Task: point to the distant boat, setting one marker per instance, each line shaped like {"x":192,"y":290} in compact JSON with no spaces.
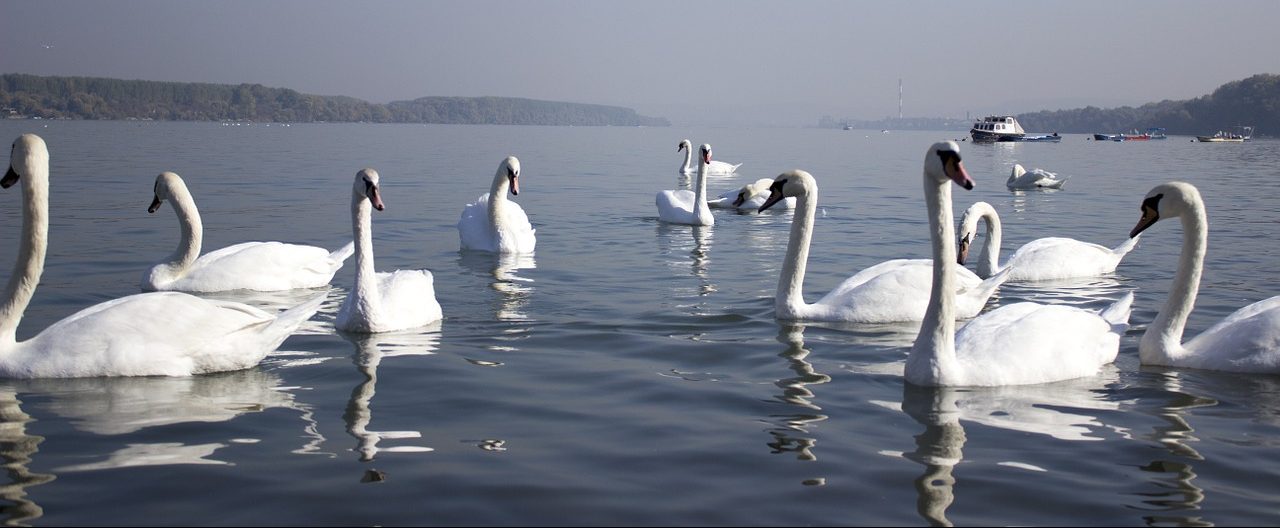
{"x":1134,"y":135}
{"x":1245,"y":134}
{"x":996,"y":128}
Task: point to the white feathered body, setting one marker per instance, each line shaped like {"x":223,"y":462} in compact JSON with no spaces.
{"x":898,"y":291}
{"x":1063,"y":258}
{"x":260,"y":266}
{"x":513,"y":234}
{"x":406,"y":299}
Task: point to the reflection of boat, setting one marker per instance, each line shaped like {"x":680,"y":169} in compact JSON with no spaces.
{"x":994,"y":128}
{"x":1243,"y":134}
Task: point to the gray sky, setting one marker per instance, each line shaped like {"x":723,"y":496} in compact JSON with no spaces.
{"x":693,"y":62}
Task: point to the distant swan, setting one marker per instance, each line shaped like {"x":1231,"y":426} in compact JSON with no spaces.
{"x":1017,"y":344}
{"x":261,"y":266}
{"x":148,"y":334}
{"x":748,"y":197}
{"x":892,"y":291}
{"x":714,"y":168}
{"x":688,"y":207}
{"x":495,"y":224}
{"x":1020,"y":179}
{"x":1245,"y":341}
{"x":380,"y":301}
{"x":1040,"y":259}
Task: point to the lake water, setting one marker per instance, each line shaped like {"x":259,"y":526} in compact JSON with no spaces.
{"x":630,"y":372}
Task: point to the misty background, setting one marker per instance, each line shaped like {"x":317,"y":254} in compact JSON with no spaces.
{"x":726,"y":63}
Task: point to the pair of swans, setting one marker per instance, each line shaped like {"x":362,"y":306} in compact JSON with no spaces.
{"x":260,"y":266}
{"x":1248,"y":340}
{"x":684,"y":206}
{"x":1017,"y":344}
{"x":495,"y":224}
{"x":147,"y":334}
{"x":749,"y":197}
{"x":1021,"y":180}
{"x":714,"y":168}
{"x":382,"y":301}
{"x":1041,"y":259}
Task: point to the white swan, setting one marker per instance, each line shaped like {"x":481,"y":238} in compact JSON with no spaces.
{"x":1040,"y":259}
{"x":685,"y":206}
{"x":261,"y":266}
{"x":148,"y":334}
{"x":1245,"y":341}
{"x":382,"y":302}
{"x":748,"y":197}
{"x":892,"y":291}
{"x":494,"y":223}
{"x":1017,"y":344}
{"x":715,"y":168}
{"x":1020,"y":179}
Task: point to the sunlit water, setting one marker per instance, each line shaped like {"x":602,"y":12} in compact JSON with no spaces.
{"x":630,"y":372}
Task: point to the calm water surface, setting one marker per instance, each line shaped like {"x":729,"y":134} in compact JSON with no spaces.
{"x":630,"y":372}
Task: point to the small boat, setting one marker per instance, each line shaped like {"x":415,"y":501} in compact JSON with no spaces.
{"x":996,"y":128}
{"x":1245,"y":134}
{"x":1046,"y":138}
{"x":1156,"y":133}
{"x":1108,"y":137}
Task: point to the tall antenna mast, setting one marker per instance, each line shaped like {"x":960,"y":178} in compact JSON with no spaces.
{"x":899,"y":98}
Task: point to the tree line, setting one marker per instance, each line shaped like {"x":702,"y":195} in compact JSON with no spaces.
{"x":1254,"y":101}
{"x":24,"y":95}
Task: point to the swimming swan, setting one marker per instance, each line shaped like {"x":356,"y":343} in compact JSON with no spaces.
{"x":147,"y":334}
{"x":748,"y":197}
{"x":1245,"y":341}
{"x":495,"y":224}
{"x":714,"y":168}
{"x":380,"y":301}
{"x":1020,"y":179}
{"x":892,"y":291}
{"x":1041,"y":259}
{"x":261,"y":266}
{"x":1017,"y":344}
{"x":685,"y":206}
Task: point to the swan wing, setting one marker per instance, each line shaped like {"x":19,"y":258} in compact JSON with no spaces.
{"x":1248,"y":340}
{"x":261,"y":266}
{"x":408,"y":299}
{"x":675,"y":206}
{"x":1060,"y":258}
{"x":891,"y":291}
{"x":1028,"y":343}
{"x":156,"y":334}
{"x":515,"y":233}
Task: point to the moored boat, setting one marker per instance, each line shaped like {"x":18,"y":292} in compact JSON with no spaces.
{"x":996,"y":128}
{"x":1245,"y":134}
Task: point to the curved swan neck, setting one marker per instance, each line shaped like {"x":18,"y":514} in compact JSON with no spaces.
{"x":498,"y":199}
{"x":192,"y":228}
{"x":366,"y":285}
{"x":989,"y":260}
{"x":700,"y":208}
{"x":789,"y":299}
{"x":1163,"y":338}
{"x":934,"y":351}
{"x":688,"y":160}
{"x":32,"y":248}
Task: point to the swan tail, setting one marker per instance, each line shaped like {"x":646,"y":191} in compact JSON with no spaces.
{"x":288,"y":321}
{"x":994,"y":281}
{"x":1128,"y":245}
{"x":735,"y":167}
{"x":341,"y":254}
{"x":1118,"y":313}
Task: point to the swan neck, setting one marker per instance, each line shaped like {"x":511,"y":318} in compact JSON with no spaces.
{"x":498,"y":201}
{"x":789,"y":300}
{"x":989,"y":260}
{"x":366,"y":286}
{"x":1163,"y":339}
{"x":700,"y":208}
{"x":31,"y":251}
{"x":192,"y":228}
{"x":688,"y":161}
{"x":932,"y":359}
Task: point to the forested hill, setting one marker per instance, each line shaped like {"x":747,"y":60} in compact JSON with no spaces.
{"x":100,"y":98}
{"x":1254,"y":101}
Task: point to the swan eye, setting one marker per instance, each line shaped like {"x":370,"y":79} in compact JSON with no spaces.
{"x":948,"y":155}
{"x":511,"y":173}
{"x":1152,"y":204}
{"x":778,"y":185}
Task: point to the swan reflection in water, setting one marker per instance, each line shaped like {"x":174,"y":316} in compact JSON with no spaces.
{"x":370,"y":351}
{"x":515,"y":291}
{"x":1024,"y":408}
{"x":789,"y":429}
{"x":1176,"y":435}
{"x":681,"y":246}
{"x":123,"y":406}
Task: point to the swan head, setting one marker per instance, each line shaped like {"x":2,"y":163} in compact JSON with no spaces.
{"x":705,"y":150}
{"x":684,"y":144}
{"x":366,"y":186}
{"x":28,"y":151}
{"x":510,"y":168}
{"x":969,"y":227}
{"x":942,"y":163}
{"x":751,"y":189}
{"x":167,"y":184}
{"x":789,"y":184}
{"x":1164,"y":201}
{"x":1017,"y":172}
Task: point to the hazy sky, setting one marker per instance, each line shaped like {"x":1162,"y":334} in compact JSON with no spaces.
{"x":693,"y":62}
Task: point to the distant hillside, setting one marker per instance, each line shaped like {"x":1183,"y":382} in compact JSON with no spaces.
{"x":100,"y":98}
{"x":1254,"y":101}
